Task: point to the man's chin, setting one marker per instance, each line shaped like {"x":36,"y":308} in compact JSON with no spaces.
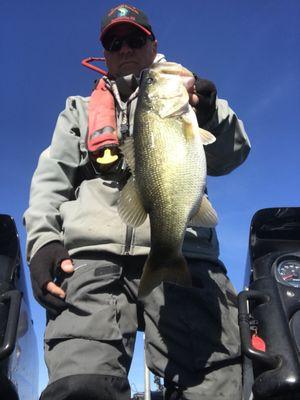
{"x":128,"y":69}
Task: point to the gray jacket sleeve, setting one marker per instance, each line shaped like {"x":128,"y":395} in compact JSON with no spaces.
{"x":232,"y":145}
{"x":53,"y":181}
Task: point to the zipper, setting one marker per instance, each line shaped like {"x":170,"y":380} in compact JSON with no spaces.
{"x":128,"y":240}
{"x":125,"y":132}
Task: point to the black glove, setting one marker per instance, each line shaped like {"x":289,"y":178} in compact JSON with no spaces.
{"x":44,"y":267}
{"x":207,"y":94}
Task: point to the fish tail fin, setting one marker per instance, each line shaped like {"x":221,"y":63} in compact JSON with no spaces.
{"x":174,"y":270}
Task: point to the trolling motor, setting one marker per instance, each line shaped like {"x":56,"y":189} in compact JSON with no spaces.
{"x":269,"y":310}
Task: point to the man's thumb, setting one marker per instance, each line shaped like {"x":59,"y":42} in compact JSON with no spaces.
{"x":67,"y":266}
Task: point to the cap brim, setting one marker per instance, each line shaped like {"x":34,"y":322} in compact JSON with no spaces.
{"x":124,"y":21}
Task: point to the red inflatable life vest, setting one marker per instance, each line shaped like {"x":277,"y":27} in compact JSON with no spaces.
{"x":102,"y":138}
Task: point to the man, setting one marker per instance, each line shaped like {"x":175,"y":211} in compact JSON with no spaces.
{"x":86,"y":264}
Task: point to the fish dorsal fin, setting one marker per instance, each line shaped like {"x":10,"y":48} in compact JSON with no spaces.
{"x":130,"y":206}
{"x":207,"y":137}
{"x":127,"y":149}
{"x":205,"y":216}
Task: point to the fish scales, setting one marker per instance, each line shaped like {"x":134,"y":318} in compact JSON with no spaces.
{"x":169,"y":171}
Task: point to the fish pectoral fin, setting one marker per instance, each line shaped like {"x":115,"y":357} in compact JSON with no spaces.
{"x":207,"y":137}
{"x":206,"y":216}
{"x":189,"y":126}
{"x":127,"y":149}
{"x":157,"y":270}
{"x":192,"y":129}
{"x":130,"y":206}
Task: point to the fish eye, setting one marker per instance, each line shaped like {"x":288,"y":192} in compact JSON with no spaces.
{"x":149,"y":80}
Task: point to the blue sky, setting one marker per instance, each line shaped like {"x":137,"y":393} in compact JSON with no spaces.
{"x":250,"y":49}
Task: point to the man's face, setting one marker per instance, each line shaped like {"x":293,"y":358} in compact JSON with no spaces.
{"x":128,"y":60}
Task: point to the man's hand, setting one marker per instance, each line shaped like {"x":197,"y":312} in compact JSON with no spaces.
{"x":203,"y":99}
{"x":193,"y":97}
{"x":47,"y":265}
{"x":66,"y":266}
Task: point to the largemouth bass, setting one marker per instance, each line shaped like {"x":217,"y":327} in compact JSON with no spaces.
{"x":168,"y":165}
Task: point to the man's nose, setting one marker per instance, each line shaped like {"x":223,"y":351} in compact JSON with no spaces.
{"x":125,"y":49}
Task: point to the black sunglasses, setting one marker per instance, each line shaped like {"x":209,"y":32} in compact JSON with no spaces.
{"x":133,"y":40}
